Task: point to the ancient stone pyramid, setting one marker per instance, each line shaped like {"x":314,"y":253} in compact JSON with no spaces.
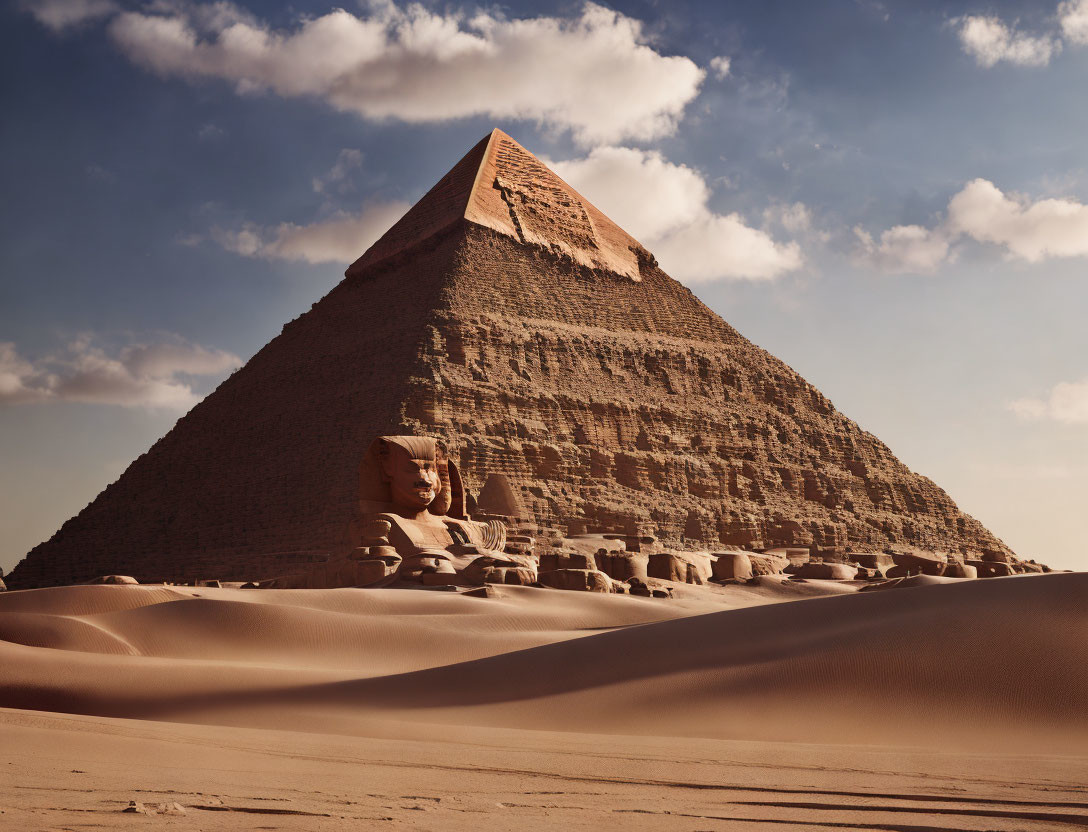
{"x":507,"y":314}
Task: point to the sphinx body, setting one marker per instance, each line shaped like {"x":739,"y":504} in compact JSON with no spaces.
{"x":412,"y":518}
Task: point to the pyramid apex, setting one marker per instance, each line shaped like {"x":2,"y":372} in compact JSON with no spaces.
{"x":500,"y":185}
{"x":498,"y":132}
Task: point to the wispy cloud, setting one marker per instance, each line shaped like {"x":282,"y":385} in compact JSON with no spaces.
{"x":989,"y":41}
{"x":338,"y":178}
{"x":151,"y":375}
{"x":904,"y":248}
{"x":665,"y":206}
{"x":210,"y":132}
{"x":1027,"y":230}
{"x":720,"y":66}
{"x":1065,"y":402}
{"x":339,"y":238}
{"x":796,"y":217}
{"x":63,"y":14}
{"x":595,"y":74}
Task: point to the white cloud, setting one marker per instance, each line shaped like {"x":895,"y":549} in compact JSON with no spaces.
{"x":594,"y":74}
{"x":168,"y":358}
{"x":720,"y":66}
{"x":1067,"y":402}
{"x":644,"y":193}
{"x":664,"y":206}
{"x":1026,"y":230}
{"x":61,"y":14}
{"x":904,"y":248}
{"x":1073,"y":17}
{"x":139,"y":375}
{"x":796,"y":218}
{"x":988,"y":40}
{"x":720,"y":247}
{"x":338,"y":239}
{"x":1029,"y":230}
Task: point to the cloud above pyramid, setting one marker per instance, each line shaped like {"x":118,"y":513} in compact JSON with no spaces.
{"x":595,"y":74}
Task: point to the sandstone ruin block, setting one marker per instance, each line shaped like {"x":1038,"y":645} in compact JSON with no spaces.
{"x":918,"y":564}
{"x":687,"y":568}
{"x":872,"y":560}
{"x":991,"y":569}
{"x":551,"y":561}
{"x":826,"y":571}
{"x":732,"y":566}
{"x":621,"y":566}
{"x":959,"y":570}
{"x":768,"y":564}
{"x":579,"y":580}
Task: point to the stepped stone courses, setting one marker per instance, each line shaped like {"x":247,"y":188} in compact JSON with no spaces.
{"x":507,"y":315}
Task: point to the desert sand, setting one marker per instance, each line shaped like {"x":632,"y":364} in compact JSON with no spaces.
{"x":943,"y":705}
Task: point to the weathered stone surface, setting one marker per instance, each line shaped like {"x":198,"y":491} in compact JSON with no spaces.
{"x":865,"y":573}
{"x":768,"y":564}
{"x":621,"y":566}
{"x":482,"y":576}
{"x":489,"y":571}
{"x":732,"y":566}
{"x":498,"y":497}
{"x":686,"y":568}
{"x":824,"y":571}
{"x":872,"y":560}
{"x":508,"y":316}
{"x":959,"y":570}
{"x":584,"y":580}
{"x":991,"y":569}
{"x":794,"y":554}
{"x":915,"y":564}
{"x":648,"y":588}
{"x":551,"y":561}
{"x":592,"y":545}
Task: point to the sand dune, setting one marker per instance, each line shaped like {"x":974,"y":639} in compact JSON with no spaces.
{"x":994,"y":663}
{"x":80,"y":772}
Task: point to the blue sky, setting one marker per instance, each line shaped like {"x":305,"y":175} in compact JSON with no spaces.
{"x":888,"y":196}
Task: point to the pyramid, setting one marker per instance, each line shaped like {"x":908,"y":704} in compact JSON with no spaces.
{"x":508,"y":315}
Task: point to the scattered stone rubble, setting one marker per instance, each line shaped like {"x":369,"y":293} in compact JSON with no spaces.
{"x":563,"y":564}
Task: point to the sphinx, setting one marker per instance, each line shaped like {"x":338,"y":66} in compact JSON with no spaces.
{"x":412,"y":518}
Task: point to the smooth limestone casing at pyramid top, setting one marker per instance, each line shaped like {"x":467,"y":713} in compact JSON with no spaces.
{"x":506,"y":314}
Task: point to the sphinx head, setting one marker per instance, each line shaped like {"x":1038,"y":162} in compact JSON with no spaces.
{"x":410,"y":474}
{"x":414,"y":481}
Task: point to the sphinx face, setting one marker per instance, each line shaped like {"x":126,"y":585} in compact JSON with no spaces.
{"x":413,"y":483}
